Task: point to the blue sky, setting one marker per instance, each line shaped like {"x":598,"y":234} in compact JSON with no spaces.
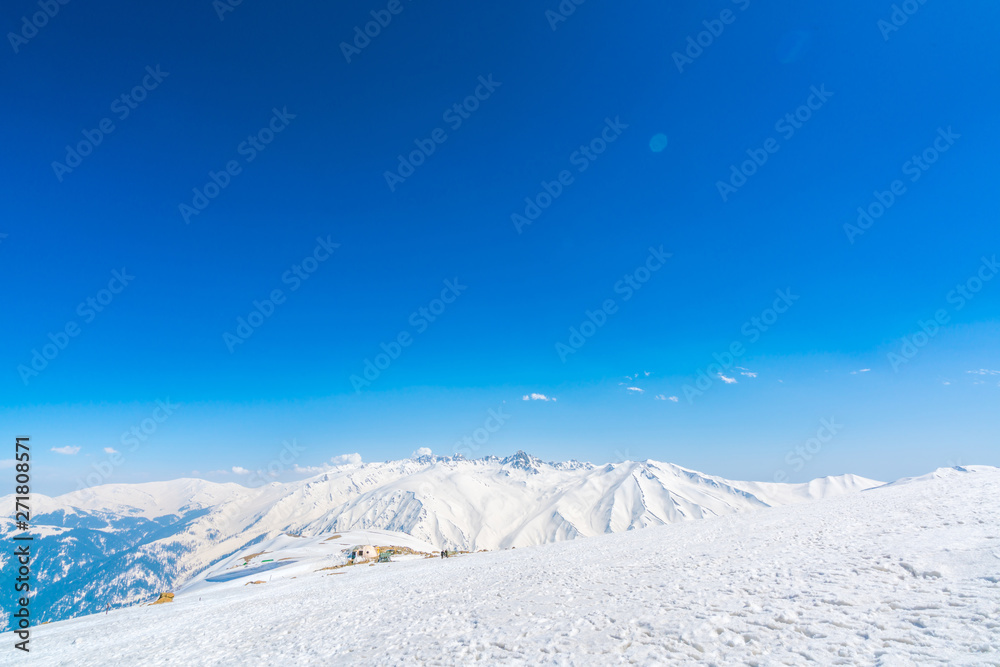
{"x":623,"y":132}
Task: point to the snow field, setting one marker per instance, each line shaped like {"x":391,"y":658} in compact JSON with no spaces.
{"x":897,"y":575}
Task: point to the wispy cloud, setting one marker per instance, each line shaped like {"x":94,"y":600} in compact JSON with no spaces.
{"x":346,"y":459}
{"x":340,"y":460}
{"x":862,"y":370}
{"x":110,"y":450}
{"x":662,"y":397}
{"x":537,"y":397}
{"x":727,"y":380}
{"x":635,"y":389}
{"x":240,"y":470}
{"x":984,"y":371}
{"x":68,"y":450}
{"x":7,"y":463}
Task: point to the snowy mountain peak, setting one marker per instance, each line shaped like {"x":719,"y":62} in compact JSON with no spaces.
{"x":122,"y":542}
{"x":944,"y":473}
{"x":864,"y":580}
{"x":522,"y":461}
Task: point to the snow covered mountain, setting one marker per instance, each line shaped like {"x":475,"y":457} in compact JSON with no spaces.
{"x":904,"y":574}
{"x":121,"y":543}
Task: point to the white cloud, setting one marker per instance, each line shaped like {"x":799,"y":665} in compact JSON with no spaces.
{"x":110,"y":450}
{"x":635,"y":389}
{"x":749,"y":374}
{"x":647,"y":373}
{"x":536,"y":397}
{"x":863,"y":370}
{"x":239,"y":470}
{"x":343,"y":459}
{"x":7,"y":463}
{"x":662,"y":397}
{"x":423,"y":451}
{"x":945,"y":382}
{"x":984,"y":371}
{"x":346,"y":459}
{"x":673,"y":398}
{"x":68,"y":450}
{"x":727,"y":380}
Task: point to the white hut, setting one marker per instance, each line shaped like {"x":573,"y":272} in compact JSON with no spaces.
{"x":363,"y":553}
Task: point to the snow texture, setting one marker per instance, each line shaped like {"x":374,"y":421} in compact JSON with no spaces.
{"x":124,"y":543}
{"x":898,"y":575}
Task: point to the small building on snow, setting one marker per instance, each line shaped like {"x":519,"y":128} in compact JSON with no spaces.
{"x":364,"y":552}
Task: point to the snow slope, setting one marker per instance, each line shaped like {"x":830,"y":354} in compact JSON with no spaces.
{"x":299,"y":556}
{"x":122,"y":543}
{"x":898,"y":575}
{"x":940,"y":473}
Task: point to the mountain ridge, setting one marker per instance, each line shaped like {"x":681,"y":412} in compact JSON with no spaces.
{"x":120,"y":543}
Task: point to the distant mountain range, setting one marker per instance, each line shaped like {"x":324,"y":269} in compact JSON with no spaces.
{"x":121,"y":543}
